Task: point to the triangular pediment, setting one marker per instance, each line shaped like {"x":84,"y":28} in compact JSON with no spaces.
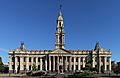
{"x":60,"y":51}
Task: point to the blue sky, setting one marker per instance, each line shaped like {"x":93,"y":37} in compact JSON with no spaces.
{"x":34,"y":22}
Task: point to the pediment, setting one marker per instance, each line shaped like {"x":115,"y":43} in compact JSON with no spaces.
{"x":60,"y":51}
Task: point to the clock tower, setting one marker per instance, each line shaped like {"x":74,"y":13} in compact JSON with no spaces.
{"x":60,"y":31}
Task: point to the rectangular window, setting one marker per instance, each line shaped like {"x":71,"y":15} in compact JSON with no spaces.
{"x":107,"y":59}
{"x":107,"y":67}
{"x":38,"y":67}
{"x":30,"y":59}
{"x":76,"y":67}
{"x":34,"y":60}
{"x":24,"y":59}
{"x":29,"y":67}
{"x":12,"y":66}
{"x":76,"y":59}
{"x":13,"y":59}
{"x":72,"y":59}
{"x":38,"y":59}
{"x":81,"y":59}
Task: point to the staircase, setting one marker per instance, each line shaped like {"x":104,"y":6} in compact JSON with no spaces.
{"x":60,"y":76}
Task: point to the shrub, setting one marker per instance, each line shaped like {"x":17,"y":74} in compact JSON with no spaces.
{"x":29,"y":73}
{"x":38,"y":73}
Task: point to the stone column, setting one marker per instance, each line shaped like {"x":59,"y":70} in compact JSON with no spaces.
{"x":41,"y":63}
{"x":53,"y":63}
{"x":83,"y":62}
{"x":74,"y":63}
{"x":49,"y":63}
{"x":99,"y":64}
{"x":109,"y":63}
{"x":31,"y":62}
{"x":58,"y":64}
{"x":16,"y":66}
{"x":62,"y":64}
{"x":27,"y":63}
{"x":79,"y":65}
{"x":93,"y":63}
{"x":70,"y":63}
{"x":66,"y":64}
{"x":46,"y":63}
{"x":37,"y":62}
{"x":10,"y":64}
{"x":105,"y":60}
{"x":21,"y":64}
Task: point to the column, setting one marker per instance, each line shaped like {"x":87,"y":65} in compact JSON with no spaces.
{"x":93,"y":63}
{"x":66,"y":63}
{"x":70,"y":63}
{"x":27,"y":63}
{"x":58,"y":63}
{"x":31,"y":62}
{"x":21,"y":64}
{"x":53,"y":63}
{"x":37,"y":62}
{"x":105,"y":60}
{"x":16,"y":66}
{"x":46,"y":63}
{"x":79,"y":65}
{"x":62,"y":64}
{"x":74,"y":63}
{"x":109,"y":63}
{"x":99,"y":64}
{"x":10,"y":64}
{"x":83,"y":62}
{"x":41,"y":63}
{"x":49,"y":63}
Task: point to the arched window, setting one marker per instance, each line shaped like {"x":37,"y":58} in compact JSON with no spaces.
{"x":59,"y":23}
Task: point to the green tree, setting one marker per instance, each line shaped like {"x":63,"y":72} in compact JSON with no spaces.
{"x":34,"y":67}
{"x":1,"y":67}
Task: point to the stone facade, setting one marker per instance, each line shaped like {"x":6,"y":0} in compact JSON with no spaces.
{"x":59,"y":60}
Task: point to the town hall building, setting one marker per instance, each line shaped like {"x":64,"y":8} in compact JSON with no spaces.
{"x":59,"y":59}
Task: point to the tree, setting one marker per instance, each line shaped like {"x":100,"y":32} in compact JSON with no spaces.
{"x":1,"y":67}
{"x":34,"y":67}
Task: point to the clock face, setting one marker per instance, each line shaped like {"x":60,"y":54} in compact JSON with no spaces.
{"x":59,"y":30}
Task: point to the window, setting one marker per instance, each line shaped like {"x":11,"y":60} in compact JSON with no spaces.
{"x":24,"y":59}
{"x":76,"y":67}
{"x":38,"y":67}
{"x":13,"y":59}
{"x":96,"y":59}
{"x":29,"y":67}
{"x":107,"y":59}
{"x":72,"y":59}
{"x":76,"y":59}
{"x":81,"y":59}
{"x":34,"y":60}
{"x":30,"y":59}
{"x":107,"y":67}
{"x":13,"y":67}
{"x":59,"y":23}
{"x":38,"y":59}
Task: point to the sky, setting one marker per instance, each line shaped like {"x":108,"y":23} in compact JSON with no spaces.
{"x":34,"y":23}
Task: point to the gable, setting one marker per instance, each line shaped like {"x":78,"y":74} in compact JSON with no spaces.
{"x":60,"y":51}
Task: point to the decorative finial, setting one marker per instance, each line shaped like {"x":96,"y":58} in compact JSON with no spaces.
{"x":60,"y":13}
